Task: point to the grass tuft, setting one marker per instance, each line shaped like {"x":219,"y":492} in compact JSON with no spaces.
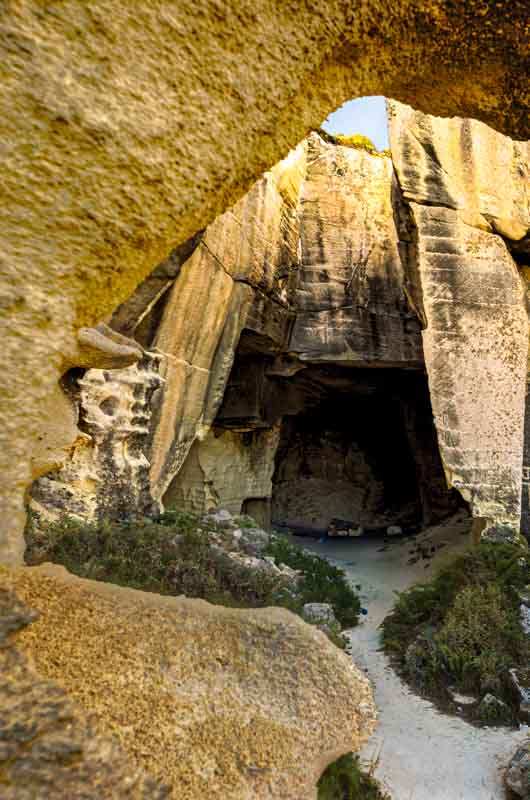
{"x":345,"y":780}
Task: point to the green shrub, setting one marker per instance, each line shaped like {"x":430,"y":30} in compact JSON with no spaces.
{"x":345,"y":780}
{"x":321,"y":582}
{"x":168,"y":556}
{"x":462,"y":629}
{"x":357,"y":140}
{"x":480,"y":639}
{"x":173,"y":555}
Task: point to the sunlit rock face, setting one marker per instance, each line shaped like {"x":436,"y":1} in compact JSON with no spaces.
{"x":188,"y":316}
{"x":351,"y":305}
{"x":345,"y":304}
{"x":467,"y":191}
{"x":382,"y":255}
{"x":346,"y":261}
{"x":240,"y":275}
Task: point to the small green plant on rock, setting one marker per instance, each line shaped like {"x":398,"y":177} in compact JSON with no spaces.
{"x":357,"y":140}
{"x":344,"y":779}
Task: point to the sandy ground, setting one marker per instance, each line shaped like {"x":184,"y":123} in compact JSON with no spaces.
{"x":421,"y":753}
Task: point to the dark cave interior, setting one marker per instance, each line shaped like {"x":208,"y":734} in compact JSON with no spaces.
{"x":365,"y":457}
{"x":357,"y":448}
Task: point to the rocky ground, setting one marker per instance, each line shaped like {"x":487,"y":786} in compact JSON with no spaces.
{"x":419,"y":752}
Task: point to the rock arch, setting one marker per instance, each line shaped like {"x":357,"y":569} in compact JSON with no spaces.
{"x":125,"y":130}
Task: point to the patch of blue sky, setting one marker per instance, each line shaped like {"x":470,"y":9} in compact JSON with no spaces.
{"x":366,"y":115}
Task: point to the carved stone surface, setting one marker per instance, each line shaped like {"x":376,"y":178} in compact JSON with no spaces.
{"x":350,"y":300}
{"x":476,"y":345}
{"x":225,"y":470}
{"x":140,"y":315}
{"x":464,"y":165}
{"x":468,"y":191}
{"x":525,"y":495}
{"x":242,"y":274}
{"x":335,"y":258}
{"x":150,"y":120}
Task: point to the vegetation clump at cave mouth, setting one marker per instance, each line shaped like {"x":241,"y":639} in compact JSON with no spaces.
{"x":344,"y":779}
{"x":461,"y":633}
{"x":182,"y":553}
{"x":356,"y":140}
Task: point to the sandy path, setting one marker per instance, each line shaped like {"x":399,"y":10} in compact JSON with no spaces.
{"x":423,"y":754}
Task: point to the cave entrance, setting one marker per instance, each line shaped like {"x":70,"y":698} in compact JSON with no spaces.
{"x":360,"y":456}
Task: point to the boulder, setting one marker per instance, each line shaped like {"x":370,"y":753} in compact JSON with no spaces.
{"x":253,"y":540}
{"x":339,"y":528}
{"x":319,"y":613}
{"x":220,"y":517}
{"x":499,"y":534}
{"x":521,"y":684}
{"x":49,"y":748}
{"x":517,"y":775}
{"x":214,"y":702}
{"x":460,"y":699}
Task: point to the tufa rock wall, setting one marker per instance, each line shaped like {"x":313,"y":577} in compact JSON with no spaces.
{"x":468,"y":194}
{"x":127,"y":129}
{"x":336,"y":258}
{"x":241,"y":269}
{"x":351,"y":306}
{"x":107,"y":473}
{"x":226,"y":469}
